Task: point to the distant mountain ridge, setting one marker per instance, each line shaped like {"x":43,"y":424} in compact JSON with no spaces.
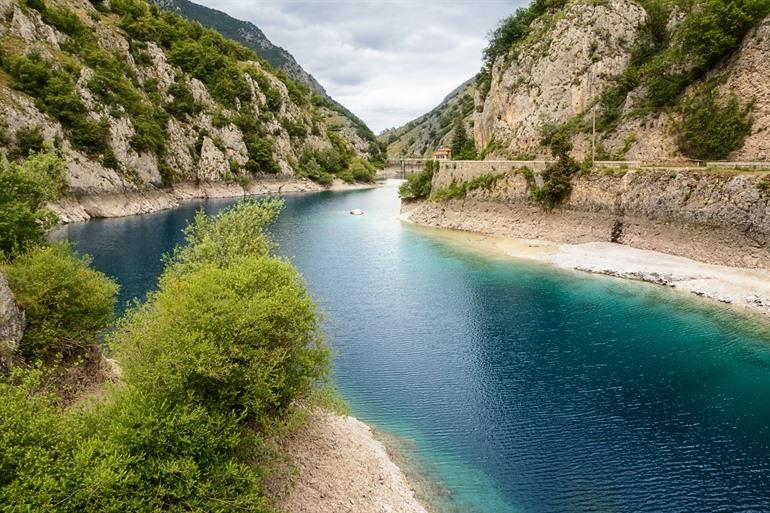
{"x":248,"y":35}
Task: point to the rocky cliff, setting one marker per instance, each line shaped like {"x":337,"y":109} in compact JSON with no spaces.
{"x":11,"y":323}
{"x":663,"y":80}
{"x":135,"y":99}
{"x":710,"y":216}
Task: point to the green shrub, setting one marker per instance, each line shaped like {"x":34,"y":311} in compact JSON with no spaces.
{"x":361,"y":170}
{"x":184,"y":103}
{"x":295,"y":129}
{"x":557,"y":176}
{"x":129,"y":452}
{"x":242,"y":338}
{"x":418,"y":185}
{"x":260,"y":156}
{"x":236,"y":232}
{"x":711,"y":129}
{"x":212,"y":361}
{"x":66,"y":303}
{"x":230,"y":328}
{"x":27,"y":139}
{"x":24,"y":191}
{"x":455,"y":190}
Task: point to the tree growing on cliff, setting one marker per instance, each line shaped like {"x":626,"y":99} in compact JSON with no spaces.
{"x":557,"y":176}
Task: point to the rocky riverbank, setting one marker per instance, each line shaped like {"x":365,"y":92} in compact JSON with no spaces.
{"x":82,"y":208}
{"x":340,"y":467}
{"x":495,"y":231}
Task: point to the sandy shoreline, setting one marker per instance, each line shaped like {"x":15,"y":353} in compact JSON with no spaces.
{"x":82,"y":208}
{"x":340,"y":467}
{"x":747,"y":289}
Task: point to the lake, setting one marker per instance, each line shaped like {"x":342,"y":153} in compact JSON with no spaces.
{"x":515,"y":386}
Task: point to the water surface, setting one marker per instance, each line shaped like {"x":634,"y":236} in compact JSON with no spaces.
{"x":519,"y":387}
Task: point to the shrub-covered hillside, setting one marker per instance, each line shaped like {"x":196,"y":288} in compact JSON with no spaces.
{"x":133,"y":96}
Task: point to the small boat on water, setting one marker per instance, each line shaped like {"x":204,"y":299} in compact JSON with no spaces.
{"x":356,"y":212}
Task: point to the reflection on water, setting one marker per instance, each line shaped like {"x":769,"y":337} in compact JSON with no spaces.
{"x":519,"y":387}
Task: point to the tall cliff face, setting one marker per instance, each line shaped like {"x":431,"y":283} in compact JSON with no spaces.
{"x":559,"y":70}
{"x":651,"y":72}
{"x":664,"y":80}
{"x":134,"y":98}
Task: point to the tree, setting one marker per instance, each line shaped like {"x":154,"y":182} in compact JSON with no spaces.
{"x":459,"y":139}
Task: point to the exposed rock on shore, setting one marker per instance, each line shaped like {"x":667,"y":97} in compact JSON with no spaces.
{"x":83,"y":208}
{"x":341,"y":468}
{"x":11,"y":322}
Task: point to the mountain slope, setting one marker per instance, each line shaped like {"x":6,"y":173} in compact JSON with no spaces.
{"x":665,"y":80}
{"x":134,"y":97}
{"x":250,"y":36}
{"x":246,"y":33}
{"x":420,"y":137}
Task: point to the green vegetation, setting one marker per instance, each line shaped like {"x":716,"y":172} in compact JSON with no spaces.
{"x":463,"y":147}
{"x":557,"y":177}
{"x":212,"y":363}
{"x":339,"y":160}
{"x":24,"y":190}
{"x":230,"y":72}
{"x":27,"y":140}
{"x":511,"y":31}
{"x":65,"y":302}
{"x":711,"y":129}
{"x":418,"y":185}
{"x":456,"y":191}
{"x":54,"y":88}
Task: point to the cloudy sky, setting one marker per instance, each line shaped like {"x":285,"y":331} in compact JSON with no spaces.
{"x":388,"y":61}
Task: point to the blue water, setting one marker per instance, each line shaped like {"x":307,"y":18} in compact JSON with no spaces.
{"x":518,"y":387}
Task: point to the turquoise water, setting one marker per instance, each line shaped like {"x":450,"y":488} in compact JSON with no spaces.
{"x":518,"y":387}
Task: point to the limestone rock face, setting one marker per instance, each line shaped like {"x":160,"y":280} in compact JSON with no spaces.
{"x":11,"y":322}
{"x":145,"y":137}
{"x":213,"y":165}
{"x":749,"y":78}
{"x":559,"y":71}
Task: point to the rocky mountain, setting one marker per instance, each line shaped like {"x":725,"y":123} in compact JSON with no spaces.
{"x":663,"y":79}
{"x":420,"y":137}
{"x":134,"y":97}
{"x":246,"y":33}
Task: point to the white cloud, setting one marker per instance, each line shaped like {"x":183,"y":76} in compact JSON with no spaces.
{"x":388,"y":61}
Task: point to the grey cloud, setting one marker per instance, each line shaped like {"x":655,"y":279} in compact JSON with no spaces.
{"x":388,"y":61}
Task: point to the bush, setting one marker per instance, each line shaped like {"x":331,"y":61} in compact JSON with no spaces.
{"x":455,"y":190}
{"x":361,"y":170}
{"x":184,"y":103}
{"x":130,"y":452}
{"x":28,"y":139}
{"x":211,"y":362}
{"x":231,"y":328}
{"x":557,"y":177}
{"x":418,"y":185}
{"x":711,"y":129}
{"x":66,"y":303}
{"x":24,"y":191}
{"x":222,"y":240}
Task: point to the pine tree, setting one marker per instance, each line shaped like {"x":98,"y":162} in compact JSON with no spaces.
{"x":459,"y":139}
